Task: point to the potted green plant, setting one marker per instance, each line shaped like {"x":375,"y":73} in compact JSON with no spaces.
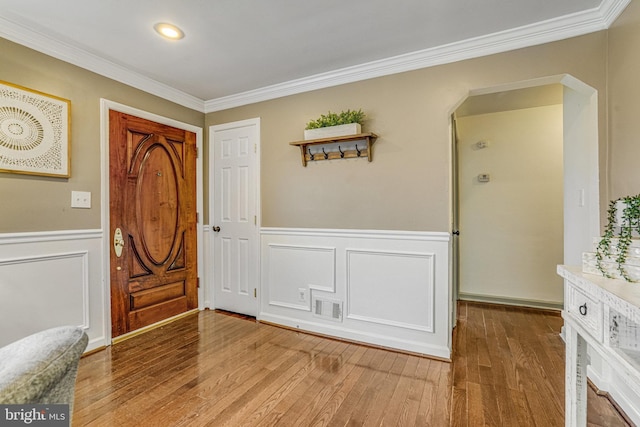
{"x":623,"y":222}
{"x":347,"y":122}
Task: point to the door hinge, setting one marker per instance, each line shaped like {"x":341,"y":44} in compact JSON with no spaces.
{"x":197,"y":217}
{"x":197,"y":282}
{"x":255,"y":293}
{"x":197,"y":153}
{"x":255,"y":220}
{"x":255,"y":148}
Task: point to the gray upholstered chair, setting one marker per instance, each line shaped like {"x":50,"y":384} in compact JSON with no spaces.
{"x":42,"y":367}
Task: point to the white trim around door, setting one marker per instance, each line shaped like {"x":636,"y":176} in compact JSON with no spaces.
{"x":105,"y":106}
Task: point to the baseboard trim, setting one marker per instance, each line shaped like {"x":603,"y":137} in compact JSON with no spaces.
{"x":350,"y":341}
{"x":357,"y":336}
{"x":156,"y":325}
{"x":93,"y":350}
{"x":520,"y":302}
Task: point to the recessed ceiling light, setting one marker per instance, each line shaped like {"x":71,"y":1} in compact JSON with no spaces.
{"x":168,"y":31}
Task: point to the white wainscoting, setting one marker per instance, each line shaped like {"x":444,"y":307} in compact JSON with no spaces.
{"x":392,"y":287}
{"x":50,"y":279}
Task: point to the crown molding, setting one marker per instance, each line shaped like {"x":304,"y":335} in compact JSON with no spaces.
{"x":572,"y":25}
{"x":68,"y":53}
{"x":560,"y":28}
{"x":611,"y":9}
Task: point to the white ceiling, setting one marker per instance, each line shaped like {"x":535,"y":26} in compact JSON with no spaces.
{"x":241,"y":51}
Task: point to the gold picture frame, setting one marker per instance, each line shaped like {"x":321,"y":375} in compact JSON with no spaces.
{"x":35,"y":132}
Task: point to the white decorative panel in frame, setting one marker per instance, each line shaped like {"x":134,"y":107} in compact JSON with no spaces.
{"x":225,"y":264}
{"x":50,"y":279}
{"x":46,"y":282}
{"x":225,"y":185}
{"x":225,"y":149}
{"x":243,"y":146}
{"x":294,"y":267}
{"x":243,"y":266}
{"x":391,"y":288}
{"x":387,"y":288}
{"x":34,"y":132}
{"x":243,"y":194}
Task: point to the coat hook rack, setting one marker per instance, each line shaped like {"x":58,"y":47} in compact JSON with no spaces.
{"x":353,"y":149}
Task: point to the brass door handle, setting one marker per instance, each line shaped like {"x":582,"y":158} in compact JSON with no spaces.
{"x":118,"y":242}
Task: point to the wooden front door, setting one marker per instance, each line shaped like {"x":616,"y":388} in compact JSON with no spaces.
{"x":153,"y":222}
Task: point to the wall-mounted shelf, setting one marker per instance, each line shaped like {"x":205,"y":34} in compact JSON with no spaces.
{"x":354,"y":151}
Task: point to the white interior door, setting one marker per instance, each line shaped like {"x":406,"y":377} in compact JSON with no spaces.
{"x":234,"y":212}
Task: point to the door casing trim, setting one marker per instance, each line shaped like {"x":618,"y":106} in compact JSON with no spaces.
{"x":105,"y":106}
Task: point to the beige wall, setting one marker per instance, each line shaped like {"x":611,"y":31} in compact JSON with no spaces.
{"x":624,"y":104}
{"x":32,"y":203}
{"x":407,"y":184}
{"x":406,"y":187}
{"x":511,"y":227}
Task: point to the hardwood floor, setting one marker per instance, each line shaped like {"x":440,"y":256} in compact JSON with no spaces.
{"x":212,"y":369}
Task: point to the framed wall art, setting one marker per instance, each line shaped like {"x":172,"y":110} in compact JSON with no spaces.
{"x":35,"y":131}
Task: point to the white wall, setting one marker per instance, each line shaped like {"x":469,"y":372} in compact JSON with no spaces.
{"x":52,"y":279}
{"x":511,"y":228}
{"x":581,"y":183}
{"x":393,"y":287}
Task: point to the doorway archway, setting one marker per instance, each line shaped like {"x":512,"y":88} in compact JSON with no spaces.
{"x":581,"y":206}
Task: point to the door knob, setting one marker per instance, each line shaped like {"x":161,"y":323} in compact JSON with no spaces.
{"x":216,"y":228}
{"x":456,"y":232}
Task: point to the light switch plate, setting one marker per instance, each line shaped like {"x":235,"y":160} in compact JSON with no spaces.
{"x":81,"y":199}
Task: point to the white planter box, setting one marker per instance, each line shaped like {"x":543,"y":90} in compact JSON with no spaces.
{"x":590,"y":266}
{"x":331,"y":131}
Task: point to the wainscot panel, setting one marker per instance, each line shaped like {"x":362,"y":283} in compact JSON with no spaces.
{"x":51,"y":279}
{"x":387,"y":288}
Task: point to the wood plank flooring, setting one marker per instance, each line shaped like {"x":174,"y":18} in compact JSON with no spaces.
{"x":213,"y":369}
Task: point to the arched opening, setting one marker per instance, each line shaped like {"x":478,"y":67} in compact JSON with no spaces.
{"x":516,"y":114}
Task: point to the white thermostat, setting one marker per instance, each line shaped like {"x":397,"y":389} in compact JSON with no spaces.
{"x":484,"y":177}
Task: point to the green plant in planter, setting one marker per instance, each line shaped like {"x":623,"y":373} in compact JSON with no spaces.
{"x":335,"y":119}
{"x":630,"y":223}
